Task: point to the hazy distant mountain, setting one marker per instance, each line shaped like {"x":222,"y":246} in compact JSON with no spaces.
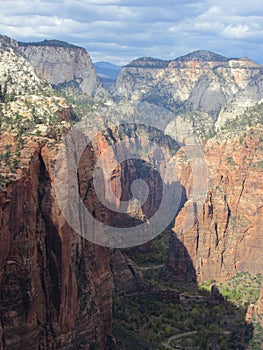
{"x":201,"y":81}
{"x":107,"y":72}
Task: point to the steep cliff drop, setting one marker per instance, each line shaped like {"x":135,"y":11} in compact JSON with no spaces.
{"x":62,"y":64}
{"x":56,"y":288}
{"x":227,"y":238}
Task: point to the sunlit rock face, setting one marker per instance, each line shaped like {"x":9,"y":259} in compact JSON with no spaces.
{"x":201,"y":81}
{"x":61,"y":63}
{"x":227,"y":236}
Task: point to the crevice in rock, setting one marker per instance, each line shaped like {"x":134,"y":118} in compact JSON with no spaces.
{"x":52,"y":239}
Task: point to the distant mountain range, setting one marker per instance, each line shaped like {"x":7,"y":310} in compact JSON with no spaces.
{"x":107,"y":72}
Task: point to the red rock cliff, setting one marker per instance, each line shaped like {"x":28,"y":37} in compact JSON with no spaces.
{"x":56,"y":288}
{"x":228,"y":237}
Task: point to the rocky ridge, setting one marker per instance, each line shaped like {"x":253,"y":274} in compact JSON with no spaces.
{"x":201,"y":81}
{"x":62,"y":64}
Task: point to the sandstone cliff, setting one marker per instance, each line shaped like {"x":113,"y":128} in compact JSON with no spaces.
{"x":227,"y":237}
{"x":201,"y":81}
{"x":56,"y":288}
{"x":60,"y":63}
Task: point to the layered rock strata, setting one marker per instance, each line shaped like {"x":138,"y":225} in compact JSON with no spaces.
{"x":62,"y":64}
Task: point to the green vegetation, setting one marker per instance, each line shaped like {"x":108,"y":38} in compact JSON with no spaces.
{"x":145,"y":321}
{"x":251,"y":118}
{"x":156,"y":255}
{"x":82,"y":105}
{"x":6,"y":97}
{"x":151,"y":319}
{"x":148,"y":62}
{"x":258,"y":164}
{"x":203,"y":56}
{"x":55,"y":43}
{"x":243,"y":289}
{"x":230,"y":160}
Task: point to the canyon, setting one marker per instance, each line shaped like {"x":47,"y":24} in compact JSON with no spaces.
{"x":57,"y":289}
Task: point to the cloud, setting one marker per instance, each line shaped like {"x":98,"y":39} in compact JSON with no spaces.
{"x":236,"y":32}
{"x":126,"y":29}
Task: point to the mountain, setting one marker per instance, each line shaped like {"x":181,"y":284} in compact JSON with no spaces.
{"x":194,"y":139}
{"x":200,"y":81}
{"x":148,"y":62}
{"x":52,"y":43}
{"x":61,"y":64}
{"x":107,"y":72}
{"x":203,"y":56}
{"x":52,"y":296}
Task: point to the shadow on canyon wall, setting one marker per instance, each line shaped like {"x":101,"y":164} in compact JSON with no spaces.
{"x":161,"y":306}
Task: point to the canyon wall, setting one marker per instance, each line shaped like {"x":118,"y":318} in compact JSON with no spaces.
{"x":227,"y":237}
{"x":56,"y":288}
{"x":201,"y":81}
{"x":62,"y":64}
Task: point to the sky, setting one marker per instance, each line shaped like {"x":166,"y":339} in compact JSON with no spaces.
{"x":119,"y":31}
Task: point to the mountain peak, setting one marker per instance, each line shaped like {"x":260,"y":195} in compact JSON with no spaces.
{"x":203,"y":56}
{"x":148,"y":62}
{"x":5,"y":42}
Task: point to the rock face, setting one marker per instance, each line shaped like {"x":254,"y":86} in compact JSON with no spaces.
{"x":256,"y":311}
{"x":16,"y":74}
{"x":60,"y":63}
{"x":128,"y":278}
{"x":252,"y":94}
{"x":227,"y":237}
{"x":55,"y":287}
{"x":179,"y":266}
{"x":201,"y":81}
{"x":216,"y":296}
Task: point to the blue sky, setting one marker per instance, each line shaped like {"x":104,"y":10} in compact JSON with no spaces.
{"x":122,"y":30}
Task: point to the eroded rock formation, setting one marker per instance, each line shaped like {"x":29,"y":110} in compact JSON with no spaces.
{"x":227,"y":237}
{"x":60,"y":63}
{"x":201,"y":81}
{"x":55,"y":287}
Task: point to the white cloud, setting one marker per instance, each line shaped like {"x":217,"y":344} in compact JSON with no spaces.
{"x":125,"y":29}
{"x":236,"y":32}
